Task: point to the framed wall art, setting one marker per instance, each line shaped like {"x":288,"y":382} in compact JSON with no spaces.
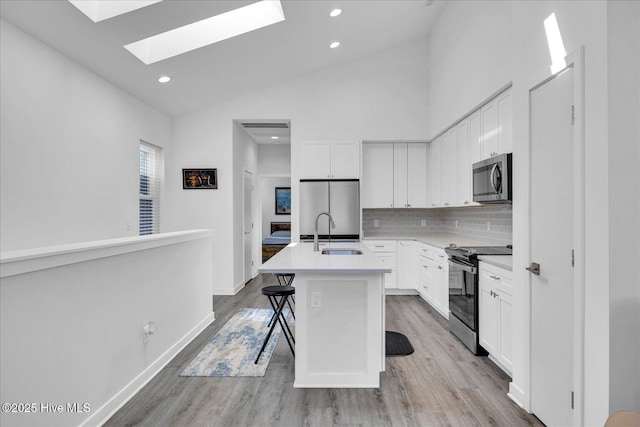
{"x":283,"y":200}
{"x":199,"y":179}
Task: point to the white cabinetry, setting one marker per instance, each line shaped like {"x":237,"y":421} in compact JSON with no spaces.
{"x":495,"y":314}
{"x":449,"y":171}
{"x":465,"y":147}
{"x":475,"y":138}
{"x":497,"y":125}
{"x":441,"y":282}
{"x":433,"y":277}
{"x":386,"y":251}
{"x":394,"y":175}
{"x":377,"y":175}
{"x":329,"y":159}
{"x":424,"y":264}
{"x":433,"y":195}
{"x":417,"y":175}
{"x":407,"y":272}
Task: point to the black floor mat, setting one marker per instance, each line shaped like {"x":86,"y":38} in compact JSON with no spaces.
{"x":397,"y":344}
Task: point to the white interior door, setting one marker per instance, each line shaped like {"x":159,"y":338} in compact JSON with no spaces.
{"x":551,"y":238}
{"x":248,"y":225}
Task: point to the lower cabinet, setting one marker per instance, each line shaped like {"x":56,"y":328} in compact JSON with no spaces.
{"x":424,"y":284}
{"x":441,"y":282}
{"x":386,"y":251}
{"x":407,"y":271}
{"x":495,"y":314}
{"x":416,"y":266}
{"x":433,"y":277}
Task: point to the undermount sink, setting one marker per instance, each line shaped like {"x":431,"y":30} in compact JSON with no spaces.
{"x":341,"y":251}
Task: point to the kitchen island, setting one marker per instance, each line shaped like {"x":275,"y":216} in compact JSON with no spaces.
{"x":339,"y":326}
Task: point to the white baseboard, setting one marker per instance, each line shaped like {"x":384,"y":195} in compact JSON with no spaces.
{"x":516,"y":394}
{"x":106,"y":411}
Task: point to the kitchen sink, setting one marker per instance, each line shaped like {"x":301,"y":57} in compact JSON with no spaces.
{"x":341,"y":251}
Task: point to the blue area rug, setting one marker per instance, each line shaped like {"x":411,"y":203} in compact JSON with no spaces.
{"x":232,"y":351}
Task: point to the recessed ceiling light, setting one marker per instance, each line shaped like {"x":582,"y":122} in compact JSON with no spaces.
{"x":99,"y":10}
{"x":207,"y":31}
{"x":274,"y":137}
{"x":335,"y":12}
{"x":164,"y":79}
{"x":334,"y":45}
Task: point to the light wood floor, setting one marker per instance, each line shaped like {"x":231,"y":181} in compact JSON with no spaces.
{"x":441,"y":383}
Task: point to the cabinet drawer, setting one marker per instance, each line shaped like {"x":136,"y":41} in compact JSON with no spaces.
{"x":497,"y":277}
{"x":380,"y":245}
{"x":425,"y":266}
{"x":439,"y":255}
{"x":388,"y":259}
{"x":425,"y":250}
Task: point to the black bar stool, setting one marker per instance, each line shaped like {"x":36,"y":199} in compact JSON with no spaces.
{"x":286,"y":279}
{"x":283,"y":293}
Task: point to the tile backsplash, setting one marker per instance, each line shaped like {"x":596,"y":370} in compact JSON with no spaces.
{"x":489,"y":223}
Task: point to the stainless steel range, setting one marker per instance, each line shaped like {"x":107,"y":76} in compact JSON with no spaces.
{"x":463,"y":291}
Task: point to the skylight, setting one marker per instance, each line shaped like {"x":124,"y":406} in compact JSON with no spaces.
{"x":556,"y":46}
{"x":208,"y":31}
{"x":99,"y":10}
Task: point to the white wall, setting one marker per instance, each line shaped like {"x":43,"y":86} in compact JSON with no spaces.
{"x":274,"y":159}
{"x":381,"y":96}
{"x":68,"y":148}
{"x":469,"y":58}
{"x":74,"y":333}
{"x":624,"y":203}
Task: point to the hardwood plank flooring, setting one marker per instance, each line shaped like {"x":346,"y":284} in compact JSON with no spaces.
{"x":440,"y":384}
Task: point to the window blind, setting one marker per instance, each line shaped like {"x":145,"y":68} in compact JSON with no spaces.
{"x":150,"y":181}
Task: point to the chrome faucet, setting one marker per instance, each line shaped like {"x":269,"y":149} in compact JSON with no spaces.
{"x":316,"y":246}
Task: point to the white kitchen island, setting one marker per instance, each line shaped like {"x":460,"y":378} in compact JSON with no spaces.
{"x":339,"y":326}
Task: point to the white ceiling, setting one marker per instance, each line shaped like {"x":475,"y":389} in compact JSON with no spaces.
{"x":252,"y":61}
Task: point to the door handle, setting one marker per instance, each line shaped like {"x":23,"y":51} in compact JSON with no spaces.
{"x":534,"y":268}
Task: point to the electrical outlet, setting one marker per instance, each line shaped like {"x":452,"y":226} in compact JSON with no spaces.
{"x":316,"y":299}
{"x":375,"y":223}
{"x":456,"y":223}
{"x":423,"y":223}
{"x":488,"y":225}
{"x":148,"y":330}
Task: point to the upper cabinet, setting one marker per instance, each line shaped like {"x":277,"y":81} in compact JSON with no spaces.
{"x":433,"y":195}
{"x":377,"y":175}
{"x":409,"y":175}
{"x":449,"y":168}
{"x":329,"y":159}
{"x":417,"y":175}
{"x":394,"y":175}
{"x":497,"y":126}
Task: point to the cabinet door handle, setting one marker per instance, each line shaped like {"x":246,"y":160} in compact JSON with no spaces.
{"x":439,"y":267}
{"x":534,"y":268}
{"x":494,"y":277}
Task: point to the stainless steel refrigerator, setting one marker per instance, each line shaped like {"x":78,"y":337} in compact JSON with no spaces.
{"x":341,"y":198}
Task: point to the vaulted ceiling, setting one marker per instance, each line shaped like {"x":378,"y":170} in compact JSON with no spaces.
{"x":261,"y":58}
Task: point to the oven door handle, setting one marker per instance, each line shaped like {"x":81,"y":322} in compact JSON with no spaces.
{"x":462,"y":265}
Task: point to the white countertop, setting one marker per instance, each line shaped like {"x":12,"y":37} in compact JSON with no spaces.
{"x":300,"y":257}
{"x":502,"y":261}
{"x":438,"y":240}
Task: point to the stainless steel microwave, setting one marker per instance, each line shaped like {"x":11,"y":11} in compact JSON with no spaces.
{"x":492,"y":180}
